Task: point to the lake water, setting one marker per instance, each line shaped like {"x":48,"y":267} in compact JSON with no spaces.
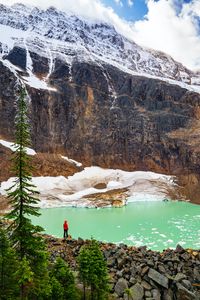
{"x":158,"y":225}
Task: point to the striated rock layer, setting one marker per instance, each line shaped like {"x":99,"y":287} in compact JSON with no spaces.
{"x":141,"y":124}
{"x":86,"y":104}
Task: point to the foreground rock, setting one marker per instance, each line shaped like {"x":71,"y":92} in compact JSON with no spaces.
{"x":144,"y":274}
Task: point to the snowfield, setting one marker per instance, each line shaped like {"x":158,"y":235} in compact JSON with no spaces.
{"x":61,"y":191}
{"x":54,"y":34}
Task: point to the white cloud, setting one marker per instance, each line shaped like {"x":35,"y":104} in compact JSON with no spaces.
{"x":119,"y":2}
{"x":162,"y":28}
{"x":130,"y":3}
{"x":175,"y":34}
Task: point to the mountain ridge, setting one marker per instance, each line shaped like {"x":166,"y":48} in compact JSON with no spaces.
{"x":85,"y":101}
{"x":53,"y":34}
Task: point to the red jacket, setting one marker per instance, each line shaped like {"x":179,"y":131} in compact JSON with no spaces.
{"x":65,"y":225}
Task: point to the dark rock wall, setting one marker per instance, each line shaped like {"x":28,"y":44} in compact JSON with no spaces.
{"x":7,"y":97}
{"x":17,"y":56}
{"x":102,"y":116}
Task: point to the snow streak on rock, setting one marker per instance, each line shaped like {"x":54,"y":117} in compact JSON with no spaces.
{"x":51,"y":33}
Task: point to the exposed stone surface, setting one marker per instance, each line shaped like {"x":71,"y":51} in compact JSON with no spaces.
{"x":17,"y":56}
{"x":168,"y":295}
{"x":137,"y":292}
{"x":183,"y":293}
{"x":100,"y":186}
{"x":121,"y":286}
{"x":116,"y":197}
{"x":155,"y":121}
{"x":158,"y":278}
{"x":96,"y":113}
{"x":7,"y":98}
{"x":156,"y":294}
{"x":126,"y":265}
{"x":179,"y":277}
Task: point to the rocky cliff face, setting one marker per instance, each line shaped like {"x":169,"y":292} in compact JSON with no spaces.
{"x":137,"y":124}
{"x":98,"y":114}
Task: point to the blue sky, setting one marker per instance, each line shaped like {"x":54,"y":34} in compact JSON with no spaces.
{"x":130,"y":13}
{"x":138,"y":10}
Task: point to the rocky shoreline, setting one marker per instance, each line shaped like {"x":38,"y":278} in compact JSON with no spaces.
{"x":145,"y":274}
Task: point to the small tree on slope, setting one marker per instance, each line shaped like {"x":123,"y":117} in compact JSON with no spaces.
{"x":93,"y":270}
{"x":84,"y":268}
{"x":62,"y":279}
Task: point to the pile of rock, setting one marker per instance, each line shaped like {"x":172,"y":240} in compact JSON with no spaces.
{"x":142,"y":273}
{"x":152,"y":275}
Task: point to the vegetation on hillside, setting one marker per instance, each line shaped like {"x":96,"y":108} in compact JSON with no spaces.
{"x":93,"y":271}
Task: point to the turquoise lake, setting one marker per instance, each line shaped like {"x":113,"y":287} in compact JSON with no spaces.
{"x":158,"y":225}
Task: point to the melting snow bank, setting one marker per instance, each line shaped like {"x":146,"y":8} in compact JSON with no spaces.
{"x":77,"y":190}
{"x":11,"y":146}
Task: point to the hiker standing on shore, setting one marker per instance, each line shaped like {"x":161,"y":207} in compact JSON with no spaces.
{"x":65,"y":227}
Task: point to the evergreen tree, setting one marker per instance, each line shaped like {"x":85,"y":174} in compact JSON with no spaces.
{"x":41,"y":285}
{"x":93,"y":270}
{"x":57,"y":290}
{"x":23,"y":199}
{"x":22,"y":193}
{"x":84,"y":268}
{"x":8,"y":267}
{"x":63,"y":281}
{"x":24,"y":277}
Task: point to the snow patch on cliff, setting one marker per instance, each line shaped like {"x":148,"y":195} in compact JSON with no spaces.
{"x":36,"y":83}
{"x":72,"y":161}
{"x":11,"y":146}
{"x":10,"y":37}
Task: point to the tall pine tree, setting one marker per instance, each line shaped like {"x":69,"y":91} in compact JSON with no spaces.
{"x":23,"y":199}
{"x":22,"y":194}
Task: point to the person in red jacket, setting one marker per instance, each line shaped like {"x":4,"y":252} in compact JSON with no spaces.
{"x":65,"y":227}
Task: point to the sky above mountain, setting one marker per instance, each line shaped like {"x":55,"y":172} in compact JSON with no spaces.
{"x":172,"y":26}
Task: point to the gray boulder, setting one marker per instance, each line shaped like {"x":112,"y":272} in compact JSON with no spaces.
{"x":187,"y":284}
{"x":120,"y":286}
{"x":183,"y":293}
{"x":168,"y":295}
{"x":137,"y":292}
{"x":158,"y":278}
{"x":156,"y":294}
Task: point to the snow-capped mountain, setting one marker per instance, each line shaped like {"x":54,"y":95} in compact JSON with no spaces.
{"x":53,"y":34}
{"x":97,"y":97}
